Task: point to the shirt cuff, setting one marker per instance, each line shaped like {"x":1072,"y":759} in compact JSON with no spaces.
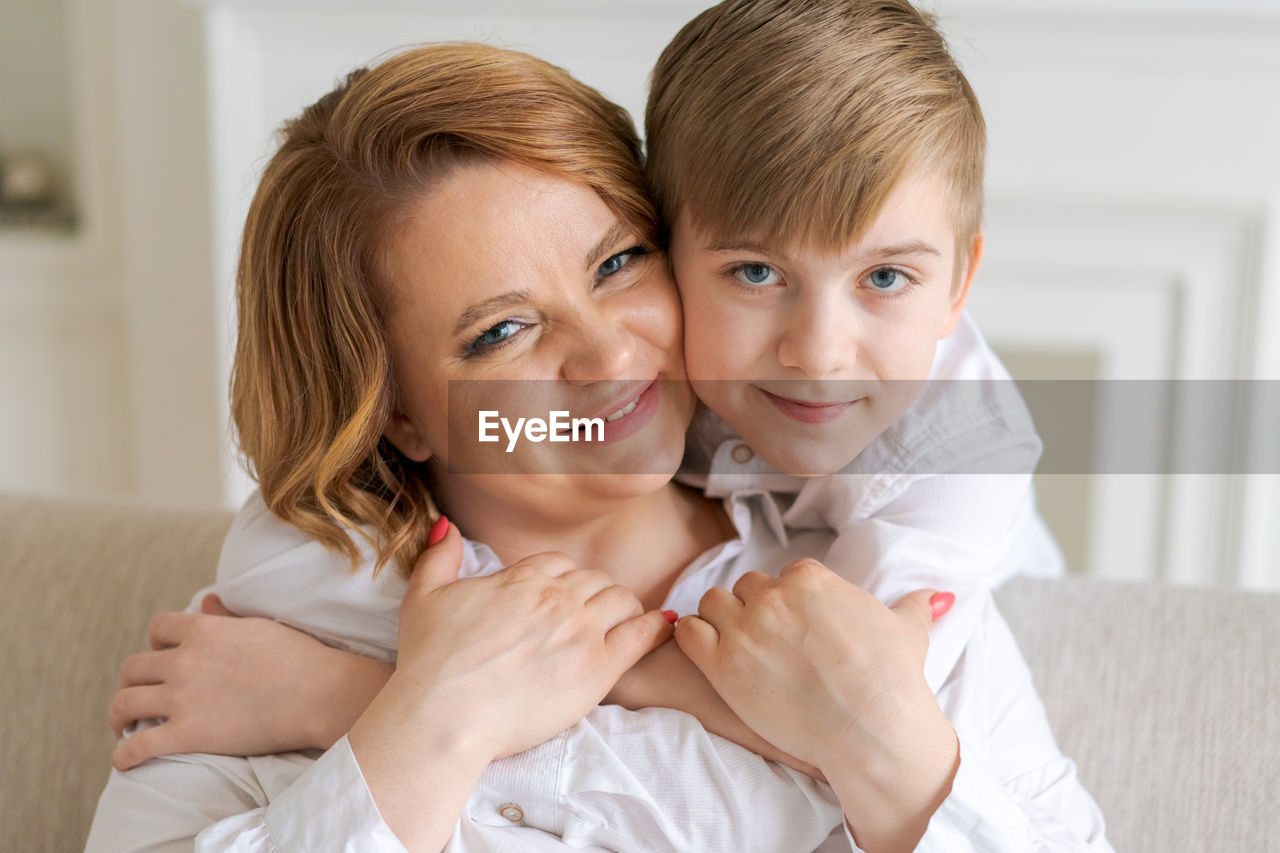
{"x":329,"y":807}
{"x":977,"y":815}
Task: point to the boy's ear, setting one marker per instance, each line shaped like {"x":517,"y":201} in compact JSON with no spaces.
{"x":408,"y":439}
{"x":960,"y":293}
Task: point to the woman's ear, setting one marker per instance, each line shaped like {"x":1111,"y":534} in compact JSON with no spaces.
{"x":407,"y":437}
{"x":960,"y":290}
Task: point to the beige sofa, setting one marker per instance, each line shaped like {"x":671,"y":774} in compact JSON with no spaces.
{"x":1169,"y":699}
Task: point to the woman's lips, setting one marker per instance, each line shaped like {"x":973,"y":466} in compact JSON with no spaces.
{"x":809,"y":413}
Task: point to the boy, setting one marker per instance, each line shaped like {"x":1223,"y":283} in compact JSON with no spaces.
{"x":820,"y":167}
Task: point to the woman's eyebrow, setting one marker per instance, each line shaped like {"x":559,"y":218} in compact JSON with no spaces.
{"x":610,"y":238}
{"x":480,"y":310}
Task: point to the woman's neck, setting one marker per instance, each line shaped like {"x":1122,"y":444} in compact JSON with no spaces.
{"x":642,"y":542}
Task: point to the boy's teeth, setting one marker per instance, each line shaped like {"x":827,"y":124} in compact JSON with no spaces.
{"x":625,"y":410}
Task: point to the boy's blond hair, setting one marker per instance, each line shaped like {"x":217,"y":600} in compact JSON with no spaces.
{"x":791,"y":121}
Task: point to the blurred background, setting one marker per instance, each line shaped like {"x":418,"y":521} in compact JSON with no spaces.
{"x":1133,"y":227}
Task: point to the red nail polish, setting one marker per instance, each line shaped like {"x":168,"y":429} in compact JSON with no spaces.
{"x":940,"y":604}
{"x":671,"y":616}
{"x":438,"y":529}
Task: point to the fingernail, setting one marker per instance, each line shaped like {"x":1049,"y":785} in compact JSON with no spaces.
{"x":671,"y":616}
{"x":438,"y":530}
{"x":940,"y":604}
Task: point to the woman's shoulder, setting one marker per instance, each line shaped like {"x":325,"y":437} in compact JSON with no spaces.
{"x":270,"y":568}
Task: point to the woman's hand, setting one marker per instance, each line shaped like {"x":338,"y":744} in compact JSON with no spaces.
{"x":827,"y":673}
{"x":488,"y":667}
{"x":237,"y":687}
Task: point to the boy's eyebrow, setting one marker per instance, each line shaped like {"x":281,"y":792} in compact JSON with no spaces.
{"x":914,"y":248}
{"x":477,"y":312}
{"x":612,"y":236}
{"x":917,"y":247}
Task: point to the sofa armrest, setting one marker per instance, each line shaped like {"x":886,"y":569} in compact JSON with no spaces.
{"x":80,"y":583}
{"x":1168,"y":699}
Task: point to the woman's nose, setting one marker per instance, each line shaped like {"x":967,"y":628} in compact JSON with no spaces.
{"x":599,"y":347}
{"x":820,"y":337}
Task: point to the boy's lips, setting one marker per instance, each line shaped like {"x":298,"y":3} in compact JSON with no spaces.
{"x":807,"y":412}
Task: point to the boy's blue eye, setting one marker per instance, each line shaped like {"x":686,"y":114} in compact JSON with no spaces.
{"x":756,"y":275}
{"x":887,"y":280}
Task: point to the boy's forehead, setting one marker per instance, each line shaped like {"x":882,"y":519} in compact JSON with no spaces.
{"x":916,"y":216}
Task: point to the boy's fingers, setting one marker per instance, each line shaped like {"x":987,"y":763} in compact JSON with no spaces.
{"x":634,"y":638}
{"x":144,"y":668}
{"x":698,"y":639}
{"x":211,"y":605}
{"x":750,"y":583}
{"x":439,"y":564}
{"x":135,"y":703}
{"x":719,"y":606}
{"x":141,"y":746}
{"x":168,"y":629}
{"x":915,"y":606}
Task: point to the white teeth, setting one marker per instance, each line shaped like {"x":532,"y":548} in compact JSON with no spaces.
{"x":625,"y":410}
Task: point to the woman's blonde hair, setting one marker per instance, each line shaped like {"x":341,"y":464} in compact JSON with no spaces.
{"x":793,"y":120}
{"x":312,"y":387}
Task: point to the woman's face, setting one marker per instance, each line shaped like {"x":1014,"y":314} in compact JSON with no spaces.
{"x":520,"y":294}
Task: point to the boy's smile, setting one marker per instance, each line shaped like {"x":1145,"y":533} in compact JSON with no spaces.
{"x":810,"y":354}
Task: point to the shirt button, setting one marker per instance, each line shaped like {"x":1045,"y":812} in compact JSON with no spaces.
{"x":511,"y":812}
{"x":741,"y":454}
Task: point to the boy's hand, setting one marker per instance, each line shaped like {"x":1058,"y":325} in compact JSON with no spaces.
{"x":666,"y":678}
{"x":237,"y":687}
{"x":824,"y":671}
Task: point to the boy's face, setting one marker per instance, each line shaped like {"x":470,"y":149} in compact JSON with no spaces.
{"x":809,"y":355}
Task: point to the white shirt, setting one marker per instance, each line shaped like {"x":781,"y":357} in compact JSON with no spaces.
{"x":650,"y":780}
{"x":942,"y":499}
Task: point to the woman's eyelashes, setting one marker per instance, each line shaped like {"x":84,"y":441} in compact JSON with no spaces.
{"x":500,"y":334}
{"x":616,"y":263}
{"x":495,"y":337}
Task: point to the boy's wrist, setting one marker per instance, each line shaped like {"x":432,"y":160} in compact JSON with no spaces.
{"x":889,"y":799}
{"x":347,"y":686}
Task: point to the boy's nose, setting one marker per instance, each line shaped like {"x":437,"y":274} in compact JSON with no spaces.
{"x":820,"y":339}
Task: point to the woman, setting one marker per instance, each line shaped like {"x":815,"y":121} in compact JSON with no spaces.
{"x":463,"y":229}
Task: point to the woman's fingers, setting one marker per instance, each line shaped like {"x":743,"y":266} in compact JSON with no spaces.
{"x":211,"y":605}
{"x":438,"y":565}
{"x":144,"y":668}
{"x":589,"y":582}
{"x":632,"y":639}
{"x":136,"y":703}
{"x":916,"y":607}
{"x":615,"y":603}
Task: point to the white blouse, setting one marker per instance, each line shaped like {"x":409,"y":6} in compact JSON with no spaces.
{"x":650,"y":780}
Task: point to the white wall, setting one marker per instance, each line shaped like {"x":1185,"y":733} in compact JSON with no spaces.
{"x":1133,"y":228}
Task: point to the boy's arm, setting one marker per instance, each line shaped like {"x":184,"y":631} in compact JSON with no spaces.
{"x":961,"y":533}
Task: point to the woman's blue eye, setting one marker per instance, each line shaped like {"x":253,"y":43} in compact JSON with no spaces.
{"x":757,"y":275}
{"x":618,"y":262}
{"x":887,"y":280}
{"x":495,"y":335}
